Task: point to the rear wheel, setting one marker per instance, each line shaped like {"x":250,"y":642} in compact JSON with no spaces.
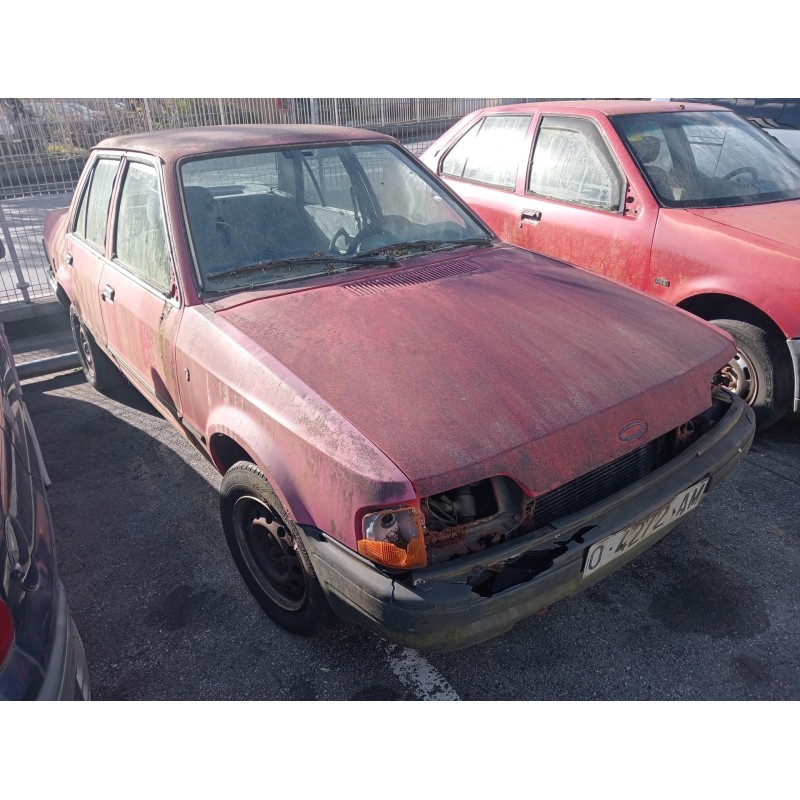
{"x":269,"y":552}
{"x":760,"y":372}
{"x":99,"y":369}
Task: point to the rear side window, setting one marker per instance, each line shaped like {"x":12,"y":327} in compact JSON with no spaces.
{"x":490,"y":151}
{"x":93,"y":210}
{"x":571,"y":162}
{"x":141,"y":234}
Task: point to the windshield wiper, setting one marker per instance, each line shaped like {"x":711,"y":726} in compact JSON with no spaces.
{"x":429,"y":245}
{"x":263,"y":266}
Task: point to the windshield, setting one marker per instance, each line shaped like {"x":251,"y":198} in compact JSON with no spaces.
{"x":267,"y":217}
{"x":708,"y":159}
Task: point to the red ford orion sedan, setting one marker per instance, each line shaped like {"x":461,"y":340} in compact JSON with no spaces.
{"x":685,"y":201}
{"x":428,"y":431}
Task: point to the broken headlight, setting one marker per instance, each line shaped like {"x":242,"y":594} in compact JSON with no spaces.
{"x":393,"y":538}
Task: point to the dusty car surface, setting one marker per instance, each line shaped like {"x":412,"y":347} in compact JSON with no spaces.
{"x":427,"y":430}
{"x":685,"y":201}
{"x":41,"y":653}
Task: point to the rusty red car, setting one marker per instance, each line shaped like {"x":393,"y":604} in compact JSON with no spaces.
{"x":428,"y":431}
{"x":685,"y":201}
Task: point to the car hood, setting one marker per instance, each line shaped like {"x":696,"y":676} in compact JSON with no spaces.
{"x":499,"y":362}
{"x":777,"y":222}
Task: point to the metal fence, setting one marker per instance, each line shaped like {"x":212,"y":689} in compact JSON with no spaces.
{"x":44,"y":144}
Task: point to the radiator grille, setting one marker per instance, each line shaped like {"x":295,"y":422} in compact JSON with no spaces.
{"x":598,"y":484}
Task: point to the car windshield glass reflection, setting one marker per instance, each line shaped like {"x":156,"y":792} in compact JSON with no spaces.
{"x":709,"y":159}
{"x":262,"y":218}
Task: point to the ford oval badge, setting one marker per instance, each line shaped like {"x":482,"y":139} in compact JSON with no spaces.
{"x":633,"y":431}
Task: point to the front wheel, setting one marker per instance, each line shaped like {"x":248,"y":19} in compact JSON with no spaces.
{"x":760,"y":372}
{"x":269,"y":552}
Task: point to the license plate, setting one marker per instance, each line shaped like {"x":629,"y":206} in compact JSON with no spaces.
{"x":616,"y":545}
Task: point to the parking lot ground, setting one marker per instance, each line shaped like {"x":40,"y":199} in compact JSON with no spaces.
{"x":710,"y":613}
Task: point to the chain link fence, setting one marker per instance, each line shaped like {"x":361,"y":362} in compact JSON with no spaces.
{"x":44,"y":144}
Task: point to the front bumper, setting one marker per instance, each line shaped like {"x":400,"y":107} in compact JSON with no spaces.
{"x":438,"y":610}
{"x":67,"y":675}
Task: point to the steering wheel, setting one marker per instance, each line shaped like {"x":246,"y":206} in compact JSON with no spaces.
{"x":368,"y":230}
{"x":739,"y":171}
{"x":332,"y":248}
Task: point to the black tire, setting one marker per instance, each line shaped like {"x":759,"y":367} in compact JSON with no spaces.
{"x":269,"y":552}
{"x":99,"y":369}
{"x":761,"y":372}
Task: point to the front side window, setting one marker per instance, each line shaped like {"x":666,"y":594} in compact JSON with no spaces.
{"x":572,"y":163}
{"x":490,"y":151}
{"x":141,"y":243}
{"x":268,"y":217}
{"x":708,"y":159}
{"x":90,"y":223}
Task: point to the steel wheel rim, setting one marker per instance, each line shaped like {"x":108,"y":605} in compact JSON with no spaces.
{"x":269,"y":551}
{"x":739,"y":376}
{"x":85,"y":350}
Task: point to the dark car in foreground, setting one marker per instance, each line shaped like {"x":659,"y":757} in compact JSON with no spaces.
{"x":424,"y":429}
{"x":41,"y":654}
{"x":685,"y":201}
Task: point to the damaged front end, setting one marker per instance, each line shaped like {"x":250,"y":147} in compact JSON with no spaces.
{"x":494,"y":556}
{"x":475,"y":518}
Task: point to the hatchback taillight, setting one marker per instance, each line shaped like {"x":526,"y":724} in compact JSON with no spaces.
{"x":6,"y":630}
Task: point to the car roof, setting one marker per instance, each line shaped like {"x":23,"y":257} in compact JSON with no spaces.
{"x":177,"y":142}
{"x":610,"y":107}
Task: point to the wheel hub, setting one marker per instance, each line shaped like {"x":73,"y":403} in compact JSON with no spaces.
{"x":739,"y":376}
{"x":86,"y":350}
{"x":268,"y":546}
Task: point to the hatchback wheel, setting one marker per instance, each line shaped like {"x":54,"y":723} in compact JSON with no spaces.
{"x":269,"y":552}
{"x":99,"y":369}
{"x":760,"y":372}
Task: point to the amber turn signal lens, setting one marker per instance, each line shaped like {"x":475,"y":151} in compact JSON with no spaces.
{"x":390,"y":555}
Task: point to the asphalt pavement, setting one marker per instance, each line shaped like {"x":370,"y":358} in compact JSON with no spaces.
{"x":710,"y":613}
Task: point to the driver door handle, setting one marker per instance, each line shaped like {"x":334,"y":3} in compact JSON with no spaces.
{"x":108,"y":293}
{"x":531,"y":214}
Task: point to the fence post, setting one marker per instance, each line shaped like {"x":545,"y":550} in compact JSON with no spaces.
{"x":22,"y":284}
{"x":221,"y":111}
{"x":314,"y":103}
{"x":147,"y":114}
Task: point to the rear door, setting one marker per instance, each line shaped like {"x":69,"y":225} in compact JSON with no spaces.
{"x":483,"y":165}
{"x":85,"y":246}
{"x":140,"y":304}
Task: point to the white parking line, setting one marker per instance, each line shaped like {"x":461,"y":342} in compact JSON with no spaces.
{"x":416,"y":674}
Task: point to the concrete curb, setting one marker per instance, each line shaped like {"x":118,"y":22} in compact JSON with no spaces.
{"x":47,"y":366}
{"x":14,"y":312}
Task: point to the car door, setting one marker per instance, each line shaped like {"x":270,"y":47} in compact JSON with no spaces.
{"x":553,"y":184}
{"x":140,"y":303}
{"x":483,"y":165}
{"x":85,"y":244}
{"x":577,"y":203}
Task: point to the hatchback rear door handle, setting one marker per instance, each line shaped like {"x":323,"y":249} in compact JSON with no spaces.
{"x":108,"y":293}
{"x":531,"y":214}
